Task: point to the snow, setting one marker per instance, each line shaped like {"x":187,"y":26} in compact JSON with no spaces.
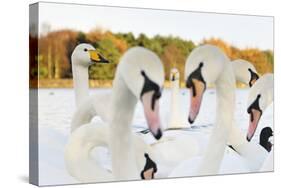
{"x":56,"y":107}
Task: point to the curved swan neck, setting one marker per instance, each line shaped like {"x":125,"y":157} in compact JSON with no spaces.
{"x":80,"y":83}
{"x":121,"y":141}
{"x":225,"y":87}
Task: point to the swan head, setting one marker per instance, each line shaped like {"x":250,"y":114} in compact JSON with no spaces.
{"x":203,"y":66}
{"x":245,"y":72}
{"x":174,"y":75}
{"x":143,"y":73}
{"x":260,"y":97}
{"x":85,"y":55}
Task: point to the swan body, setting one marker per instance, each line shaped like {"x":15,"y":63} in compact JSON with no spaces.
{"x":81,"y":165}
{"x":268,"y":165}
{"x":176,"y":119}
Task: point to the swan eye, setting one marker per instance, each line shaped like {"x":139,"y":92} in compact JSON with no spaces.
{"x":85,"y":49}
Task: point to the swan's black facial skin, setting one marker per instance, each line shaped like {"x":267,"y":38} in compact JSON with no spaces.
{"x":255,"y":105}
{"x":196,"y":74}
{"x":254,"y":77}
{"x":265,"y":134}
{"x":150,"y":168}
{"x":149,"y":85}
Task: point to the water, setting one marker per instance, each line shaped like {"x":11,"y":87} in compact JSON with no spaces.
{"x":56,"y":107}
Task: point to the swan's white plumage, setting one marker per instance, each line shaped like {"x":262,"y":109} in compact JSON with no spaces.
{"x":126,"y":91}
{"x":216,"y":69}
{"x":264,"y":87}
{"x":87,"y":106}
{"x":241,"y":70}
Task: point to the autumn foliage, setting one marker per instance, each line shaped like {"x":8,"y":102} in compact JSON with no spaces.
{"x":55,"y":48}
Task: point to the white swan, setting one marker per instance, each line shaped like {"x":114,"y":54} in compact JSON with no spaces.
{"x":205,"y":65}
{"x":87,"y":106}
{"x":260,"y":97}
{"x":82,"y":57}
{"x":176,"y":119}
{"x":245,"y":72}
{"x":250,"y":156}
{"x":139,"y":75}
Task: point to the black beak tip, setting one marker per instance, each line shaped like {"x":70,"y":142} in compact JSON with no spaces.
{"x":191,"y":121}
{"x":248,"y":139}
{"x":158,"y":135}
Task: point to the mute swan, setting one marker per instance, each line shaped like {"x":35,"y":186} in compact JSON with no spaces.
{"x":247,"y":151}
{"x":260,"y":97}
{"x":176,"y":119}
{"x":252,"y":154}
{"x":245,"y":72}
{"x":139,"y":75}
{"x":208,"y":64}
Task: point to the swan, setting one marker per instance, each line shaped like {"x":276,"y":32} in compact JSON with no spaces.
{"x":82,"y":165}
{"x":245,"y":72}
{"x":82,"y":57}
{"x":176,"y":119}
{"x":139,"y":75}
{"x":246,"y":150}
{"x":260,"y":97}
{"x":207,"y":64}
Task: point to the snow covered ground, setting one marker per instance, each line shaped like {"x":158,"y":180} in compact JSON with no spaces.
{"x":56,"y":107}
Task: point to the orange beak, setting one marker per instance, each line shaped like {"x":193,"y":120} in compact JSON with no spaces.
{"x":197,"y":90}
{"x":151,"y":111}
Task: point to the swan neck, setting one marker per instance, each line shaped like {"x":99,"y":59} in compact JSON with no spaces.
{"x":80,"y":83}
{"x":121,"y":141}
{"x":225,"y":88}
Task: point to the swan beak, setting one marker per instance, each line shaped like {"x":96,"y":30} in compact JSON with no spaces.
{"x":254,"y":120}
{"x":253,"y":81}
{"x":151,"y":112}
{"x":97,"y":57}
{"x":197,"y":90}
{"x":254,"y":78}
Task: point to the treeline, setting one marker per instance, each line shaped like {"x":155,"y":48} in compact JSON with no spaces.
{"x":55,"y":48}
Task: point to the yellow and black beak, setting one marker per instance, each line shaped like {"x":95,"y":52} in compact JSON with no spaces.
{"x":97,"y":57}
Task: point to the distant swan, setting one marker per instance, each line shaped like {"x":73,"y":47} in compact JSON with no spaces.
{"x":82,"y":57}
{"x":176,"y":117}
